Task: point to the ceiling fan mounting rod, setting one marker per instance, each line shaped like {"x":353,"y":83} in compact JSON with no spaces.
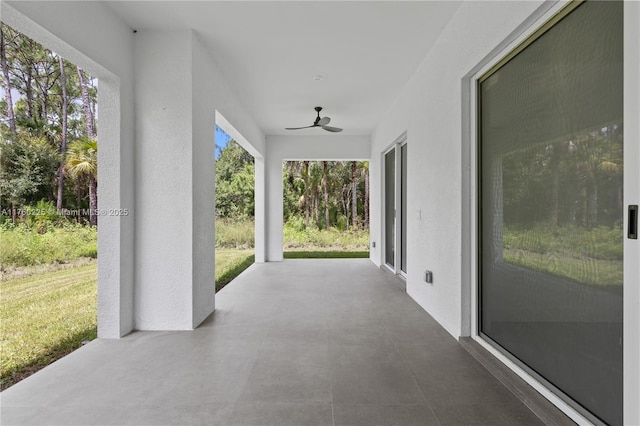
{"x":318,"y":109}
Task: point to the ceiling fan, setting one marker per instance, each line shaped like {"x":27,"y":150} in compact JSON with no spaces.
{"x":319,"y":122}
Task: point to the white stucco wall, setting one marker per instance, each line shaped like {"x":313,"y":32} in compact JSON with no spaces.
{"x":430,"y":110}
{"x":164,"y":182}
{"x":282,"y":148}
{"x":91,"y":36}
{"x":434,"y":110}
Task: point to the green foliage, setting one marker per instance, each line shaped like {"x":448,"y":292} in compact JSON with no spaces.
{"x":234,"y":182}
{"x":31,"y":156}
{"x":326,"y":254}
{"x":235,"y":233}
{"x":296,"y":223}
{"x":28,"y":166}
{"x":304,"y":192}
{"x":326,"y":239}
{"x":591,"y":257}
{"x":43,"y":217}
{"x":21,"y":245}
{"x":82,"y":158}
{"x":577,"y":180}
{"x":598,"y":243}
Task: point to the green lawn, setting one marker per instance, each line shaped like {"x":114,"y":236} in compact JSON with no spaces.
{"x":230,"y":262}
{"x":586,"y":270}
{"x":325,"y":254}
{"x":44,"y":317}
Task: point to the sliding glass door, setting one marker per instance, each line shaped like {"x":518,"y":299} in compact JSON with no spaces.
{"x":390,"y":208}
{"x":550,"y":217}
{"x":403,"y":208}
{"x":395,"y":207}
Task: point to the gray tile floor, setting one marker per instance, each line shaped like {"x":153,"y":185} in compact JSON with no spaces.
{"x":301,"y":342}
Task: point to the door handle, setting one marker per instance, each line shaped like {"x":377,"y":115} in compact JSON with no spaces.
{"x":632,"y":225}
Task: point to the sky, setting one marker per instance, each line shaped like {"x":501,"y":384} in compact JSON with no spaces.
{"x":221,"y":140}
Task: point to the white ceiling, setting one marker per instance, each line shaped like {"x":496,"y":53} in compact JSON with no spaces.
{"x":271,"y":51}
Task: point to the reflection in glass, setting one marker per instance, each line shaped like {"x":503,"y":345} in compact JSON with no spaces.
{"x":389,"y":206}
{"x":403,"y":203}
{"x":551,"y":244}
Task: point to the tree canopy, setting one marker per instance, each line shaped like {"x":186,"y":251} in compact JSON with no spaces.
{"x":47,"y":105}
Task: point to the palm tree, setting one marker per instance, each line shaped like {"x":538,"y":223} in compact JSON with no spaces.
{"x":82,"y":160}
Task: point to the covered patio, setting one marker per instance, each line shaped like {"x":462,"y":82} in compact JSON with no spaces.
{"x":301,"y":342}
{"x":326,"y":341}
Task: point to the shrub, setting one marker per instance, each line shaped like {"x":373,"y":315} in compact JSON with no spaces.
{"x":235,"y":234}
{"x":25,"y":246}
{"x":296,"y":223}
{"x":43,"y":216}
{"x":331,"y":238}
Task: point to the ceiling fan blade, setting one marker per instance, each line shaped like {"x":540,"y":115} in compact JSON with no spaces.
{"x":332,"y":129}
{"x":298,"y":128}
{"x":324,"y":121}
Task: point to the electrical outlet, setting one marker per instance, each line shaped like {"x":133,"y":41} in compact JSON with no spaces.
{"x":428,"y":277}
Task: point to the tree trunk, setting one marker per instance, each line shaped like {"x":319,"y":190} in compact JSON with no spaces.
{"x":366,"y":199}
{"x":63,"y":142}
{"x":592,"y":204}
{"x":325,"y":188}
{"x":28,"y":92}
{"x":555,"y":188}
{"x":316,"y":205}
{"x":93,"y":201}
{"x":345,"y":205}
{"x":354,"y":195}
{"x":306,"y":194}
{"x":7,"y":85}
{"x":86,"y":105}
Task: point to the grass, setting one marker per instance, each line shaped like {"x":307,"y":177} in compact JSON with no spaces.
{"x":44,"y":317}
{"x":237,"y":234}
{"x":589,"y":256}
{"x":586,"y":270}
{"x":325,"y":254}
{"x":332,"y":239}
{"x":230,"y":263}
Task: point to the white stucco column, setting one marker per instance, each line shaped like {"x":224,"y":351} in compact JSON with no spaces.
{"x":274,"y":207}
{"x":260,"y":210}
{"x":175,"y":179}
